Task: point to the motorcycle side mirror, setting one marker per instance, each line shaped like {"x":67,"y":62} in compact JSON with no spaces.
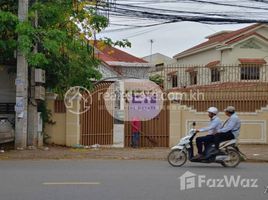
{"x":194,"y":124}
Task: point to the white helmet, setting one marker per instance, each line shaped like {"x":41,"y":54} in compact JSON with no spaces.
{"x":230,"y":109}
{"x":213,"y":110}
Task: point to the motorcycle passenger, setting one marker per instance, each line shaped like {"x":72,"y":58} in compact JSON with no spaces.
{"x":230,"y":129}
{"x":213,"y":127}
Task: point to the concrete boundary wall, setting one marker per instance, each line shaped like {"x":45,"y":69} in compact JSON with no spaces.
{"x":56,"y":133}
{"x":254,"y":125}
{"x":66,"y":130}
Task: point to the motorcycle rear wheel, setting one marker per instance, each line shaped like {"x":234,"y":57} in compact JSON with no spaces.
{"x":177,"y":158}
{"x":235,"y":159}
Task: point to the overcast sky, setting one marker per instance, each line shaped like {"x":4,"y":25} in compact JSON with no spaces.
{"x":170,"y":39}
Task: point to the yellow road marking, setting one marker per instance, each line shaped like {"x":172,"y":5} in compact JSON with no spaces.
{"x":71,"y":183}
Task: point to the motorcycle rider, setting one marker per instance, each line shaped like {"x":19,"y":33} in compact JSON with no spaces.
{"x":214,"y":125}
{"x":230,"y":129}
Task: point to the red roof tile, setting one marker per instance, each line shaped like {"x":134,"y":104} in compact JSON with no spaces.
{"x":107,"y":53}
{"x":220,"y":38}
{"x":245,"y":36}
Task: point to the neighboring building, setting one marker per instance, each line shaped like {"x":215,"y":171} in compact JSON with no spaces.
{"x":117,"y":63}
{"x":227,"y":47}
{"x":7,"y":91}
{"x":7,"y":86}
{"x":227,"y":56}
{"x":159,"y":60}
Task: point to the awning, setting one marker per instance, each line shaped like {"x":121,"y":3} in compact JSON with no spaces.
{"x":191,"y":69}
{"x":213,"y":64}
{"x":172,"y":73}
{"x":252,"y":61}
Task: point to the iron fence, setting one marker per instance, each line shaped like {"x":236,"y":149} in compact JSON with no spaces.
{"x":177,"y":76}
{"x":243,"y":86}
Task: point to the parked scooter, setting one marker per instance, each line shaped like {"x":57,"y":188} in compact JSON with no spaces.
{"x":229,"y":154}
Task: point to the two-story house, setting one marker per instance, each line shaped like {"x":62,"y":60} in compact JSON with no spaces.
{"x":226,"y":56}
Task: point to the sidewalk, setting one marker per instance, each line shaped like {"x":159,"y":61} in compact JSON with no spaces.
{"x":254,"y":153}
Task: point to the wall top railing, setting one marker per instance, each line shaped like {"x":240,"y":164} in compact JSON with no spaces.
{"x":184,"y":76}
{"x":244,"y":86}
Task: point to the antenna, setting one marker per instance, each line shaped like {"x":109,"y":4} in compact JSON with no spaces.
{"x":151,"y":50}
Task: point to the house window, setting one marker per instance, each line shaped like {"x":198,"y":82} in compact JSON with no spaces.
{"x":215,"y":75}
{"x":174,"y":79}
{"x":250,"y":72}
{"x":193,"y":78}
{"x":159,"y":67}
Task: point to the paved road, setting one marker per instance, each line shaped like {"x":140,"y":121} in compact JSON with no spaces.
{"x":121,"y":180}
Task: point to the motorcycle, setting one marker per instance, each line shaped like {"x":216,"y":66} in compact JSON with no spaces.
{"x":228,"y":155}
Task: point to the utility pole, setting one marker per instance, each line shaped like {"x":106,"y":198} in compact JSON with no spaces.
{"x":21,"y":107}
{"x":32,"y":139}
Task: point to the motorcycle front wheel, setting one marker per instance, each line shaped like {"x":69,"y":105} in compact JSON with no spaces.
{"x":177,"y":158}
{"x":234,"y":158}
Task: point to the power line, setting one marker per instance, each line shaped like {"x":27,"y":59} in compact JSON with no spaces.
{"x":176,"y":18}
{"x":163,"y":16}
{"x":141,"y":33}
{"x":166,"y":10}
{"x":134,"y":27}
{"x":226,"y":4}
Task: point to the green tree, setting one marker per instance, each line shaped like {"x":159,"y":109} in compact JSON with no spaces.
{"x":158,"y":79}
{"x":63,"y":34}
{"x":8,"y":37}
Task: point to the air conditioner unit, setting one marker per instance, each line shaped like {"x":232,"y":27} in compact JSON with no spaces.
{"x":40,"y":76}
{"x":40,"y":93}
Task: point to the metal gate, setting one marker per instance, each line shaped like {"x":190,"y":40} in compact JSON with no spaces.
{"x":97,"y":124}
{"x":154,"y":132}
